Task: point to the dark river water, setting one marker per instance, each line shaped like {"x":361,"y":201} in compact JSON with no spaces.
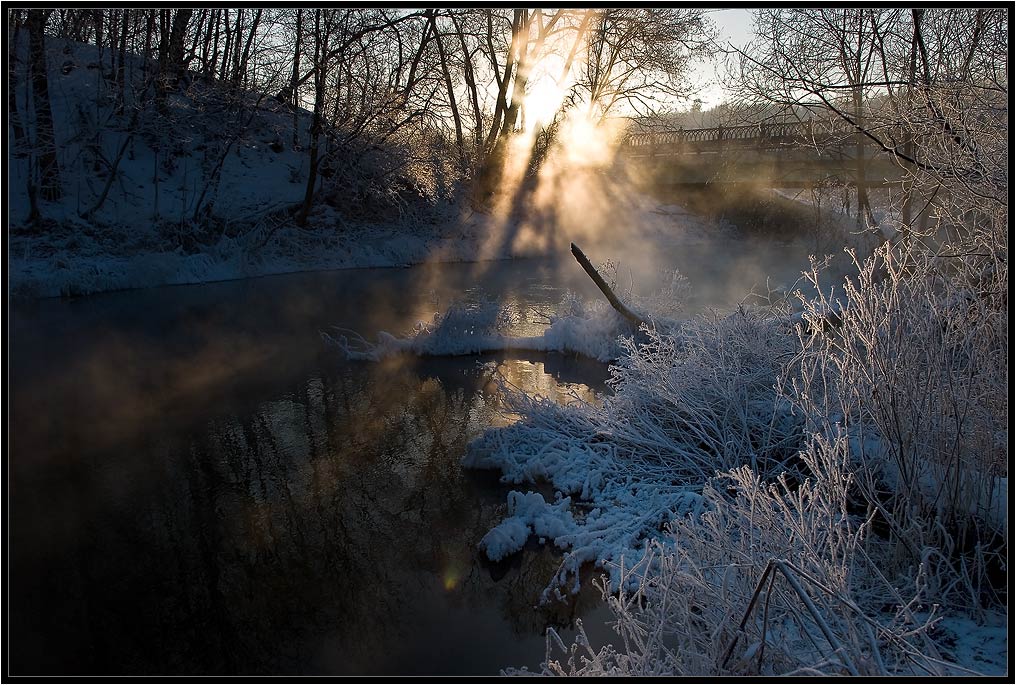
{"x":198,"y":484}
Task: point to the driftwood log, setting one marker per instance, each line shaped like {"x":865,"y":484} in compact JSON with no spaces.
{"x":617,"y":304}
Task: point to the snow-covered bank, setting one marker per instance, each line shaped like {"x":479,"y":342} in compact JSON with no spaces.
{"x":76,"y":261}
{"x":688,"y":402}
{"x":204,"y":190}
{"x":72,"y":257}
{"x":727,"y":468}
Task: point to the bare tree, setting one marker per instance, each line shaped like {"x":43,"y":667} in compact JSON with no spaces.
{"x":44,"y":148}
{"x":926,"y":87}
{"x":640,"y":57}
{"x":323,"y":26}
{"x":15,"y":23}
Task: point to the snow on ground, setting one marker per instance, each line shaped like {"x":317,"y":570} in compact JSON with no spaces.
{"x":73,"y":262}
{"x":75,"y":258}
{"x":639,"y":460}
{"x":981,"y":646}
{"x":145,"y":233}
{"x":528,"y":514}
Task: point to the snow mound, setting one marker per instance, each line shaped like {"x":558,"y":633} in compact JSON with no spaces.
{"x":592,"y":330}
{"x":529,"y":514}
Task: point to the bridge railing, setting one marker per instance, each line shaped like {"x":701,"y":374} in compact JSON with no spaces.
{"x":761,"y":135}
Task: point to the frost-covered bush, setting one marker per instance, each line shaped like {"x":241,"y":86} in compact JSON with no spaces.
{"x":916,"y":372}
{"x":823,"y":492}
{"x":896,"y":388}
{"x":668,"y":300}
{"x":405,"y":175}
{"x":688,"y":402}
{"x":702,"y":398}
{"x":771,"y":578}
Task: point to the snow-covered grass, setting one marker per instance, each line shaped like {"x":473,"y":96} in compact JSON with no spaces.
{"x":776,"y":580}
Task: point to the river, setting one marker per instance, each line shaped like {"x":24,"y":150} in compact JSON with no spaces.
{"x":198,"y":484}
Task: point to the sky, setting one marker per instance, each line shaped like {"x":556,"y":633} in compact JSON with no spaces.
{"x":734,"y":27}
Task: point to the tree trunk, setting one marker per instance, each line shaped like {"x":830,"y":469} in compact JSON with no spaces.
{"x":320,"y":49}
{"x":97,"y":14}
{"x":149,"y":30}
{"x":199,"y":34}
{"x":491,"y":171}
{"x":224,"y":71}
{"x":474,"y":97}
{"x":459,"y":140}
{"x":246,"y":48}
{"x":235,"y":76}
{"x":121,"y":73}
{"x":616,"y":303}
{"x":12,"y":88}
{"x":161,"y":85}
{"x":206,"y":44}
{"x":908,"y":145}
{"x":176,"y":36}
{"x":45,"y":141}
{"x":501,"y":104}
{"x":213,"y":61}
{"x":312,"y":172}
{"x":863,"y":206}
{"x":298,"y":45}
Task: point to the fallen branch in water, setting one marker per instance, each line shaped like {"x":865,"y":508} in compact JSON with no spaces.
{"x":621,"y":308}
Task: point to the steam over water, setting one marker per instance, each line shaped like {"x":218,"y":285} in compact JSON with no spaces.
{"x":200,"y":485}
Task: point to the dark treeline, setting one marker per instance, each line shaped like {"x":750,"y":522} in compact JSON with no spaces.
{"x":437,"y":91}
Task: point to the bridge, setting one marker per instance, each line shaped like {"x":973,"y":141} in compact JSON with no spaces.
{"x":781,"y":154}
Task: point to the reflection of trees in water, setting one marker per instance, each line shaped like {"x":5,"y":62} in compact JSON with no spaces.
{"x":321,"y":517}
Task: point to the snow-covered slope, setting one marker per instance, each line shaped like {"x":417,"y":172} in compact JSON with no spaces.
{"x":201,"y":193}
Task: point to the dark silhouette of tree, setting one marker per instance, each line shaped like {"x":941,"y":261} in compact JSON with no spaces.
{"x":44,"y":147}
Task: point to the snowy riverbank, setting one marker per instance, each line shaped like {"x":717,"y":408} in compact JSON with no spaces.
{"x":72,"y":257}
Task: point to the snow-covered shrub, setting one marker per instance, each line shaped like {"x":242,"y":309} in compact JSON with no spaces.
{"x":688,"y":402}
{"x":407,"y":175}
{"x":840,"y":483}
{"x":916,"y":372}
{"x":771,"y":578}
{"x":668,"y":301}
{"x":701,"y":398}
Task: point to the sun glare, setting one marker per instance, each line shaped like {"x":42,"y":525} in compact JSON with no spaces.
{"x":542,"y":102}
{"x":587,"y":143}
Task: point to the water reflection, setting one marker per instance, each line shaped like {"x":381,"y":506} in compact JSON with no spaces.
{"x":198,"y":485}
{"x":328,"y":528}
